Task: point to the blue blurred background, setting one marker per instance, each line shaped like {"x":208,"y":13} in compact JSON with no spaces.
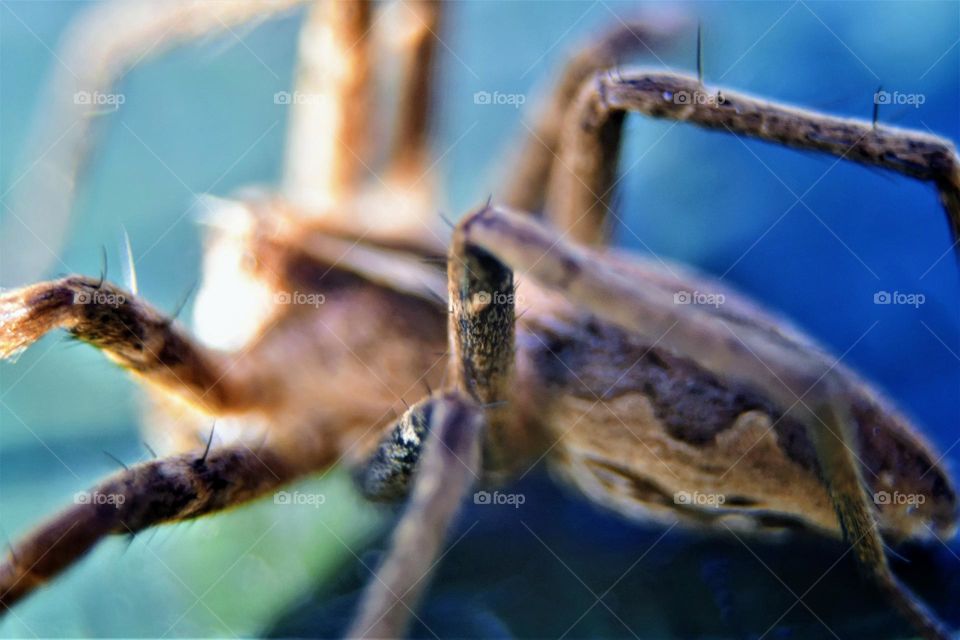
{"x":726,"y":205}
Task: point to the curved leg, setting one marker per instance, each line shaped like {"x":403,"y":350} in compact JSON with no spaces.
{"x":96,"y":52}
{"x":134,"y":335}
{"x":527,"y":185}
{"x":447,"y":470}
{"x":583,"y":178}
{"x":166,"y":490}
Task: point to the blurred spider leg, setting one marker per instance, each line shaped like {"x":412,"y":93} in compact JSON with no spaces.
{"x":448,"y":468}
{"x":329,"y":131}
{"x":527,"y":181}
{"x":409,"y":154}
{"x":482,"y":361}
{"x":832,"y":432}
{"x":160,"y":491}
{"x":583,"y":177}
{"x":134,"y":335}
{"x":94,"y":55}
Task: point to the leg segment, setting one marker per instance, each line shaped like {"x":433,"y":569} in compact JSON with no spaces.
{"x":583,"y":178}
{"x":451,"y":423}
{"x":408,"y":157}
{"x":96,"y":52}
{"x":450,"y":464}
{"x":132,"y":334}
{"x":166,"y":490}
{"x":527,"y":185}
{"x":328,"y":137}
{"x":832,"y":433}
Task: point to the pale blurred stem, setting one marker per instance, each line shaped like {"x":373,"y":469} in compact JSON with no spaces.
{"x":411,"y":137}
{"x":581,"y":181}
{"x":96,"y":52}
{"x":328,"y":138}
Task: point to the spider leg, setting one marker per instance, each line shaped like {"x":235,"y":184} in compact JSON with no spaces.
{"x":729,"y":347}
{"x":133,"y":334}
{"x":451,"y":425}
{"x":527,"y":184}
{"x":329,"y":137}
{"x":582,"y":180}
{"x":410,"y":147}
{"x":95,"y":54}
{"x":832,"y":431}
{"x":160,"y":491}
{"x":447,"y":470}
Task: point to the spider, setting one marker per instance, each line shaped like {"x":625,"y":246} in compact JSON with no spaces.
{"x":320,"y":300}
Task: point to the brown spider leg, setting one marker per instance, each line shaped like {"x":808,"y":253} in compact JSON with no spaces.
{"x":133,"y":334}
{"x":160,"y":491}
{"x":446,"y":472}
{"x":410,"y":148}
{"x":832,"y":431}
{"x":94,"y":55}
{"x":784,"y":372}
{"x":329,"y":131}
{"x":527,"y":182}
{"x":482,"y":347}
{"x":583,"y":177}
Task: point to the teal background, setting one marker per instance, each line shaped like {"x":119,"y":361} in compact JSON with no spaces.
{"x":704,"y":198}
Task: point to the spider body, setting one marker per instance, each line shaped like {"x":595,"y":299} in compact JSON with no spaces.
{"x":324,"y":307}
